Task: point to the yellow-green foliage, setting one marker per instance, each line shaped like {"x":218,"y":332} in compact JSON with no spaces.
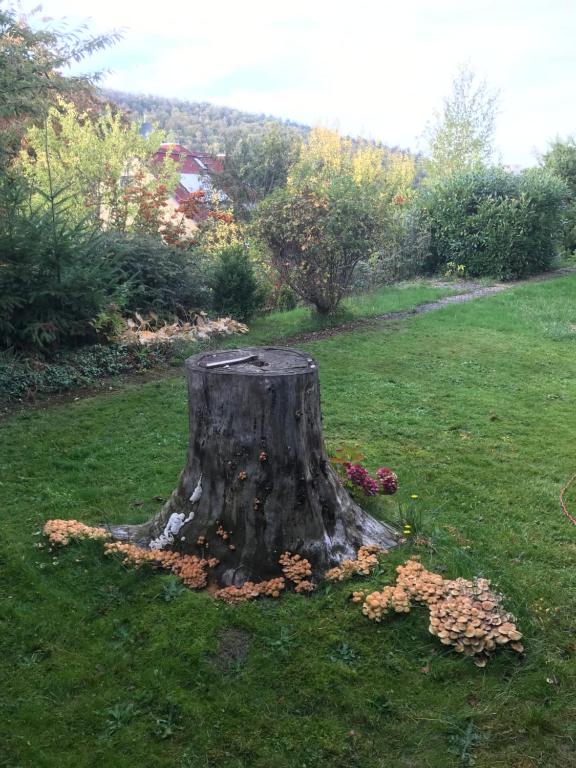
{"x":92,"y":159}
{"x":327,"y":156}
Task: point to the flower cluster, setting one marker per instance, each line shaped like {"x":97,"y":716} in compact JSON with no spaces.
{"x":192,"y":570}
{"x":251,"y":590}
{"x":365,"y":562}
{"x":465,"y":614}
{"x":388,"y":480}
{"x":359,"y":477}
{"x":62,"y":531}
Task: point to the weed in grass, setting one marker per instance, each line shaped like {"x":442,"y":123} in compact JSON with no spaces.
{"x":32,"y":659}
{"x":344,"y":654}
{"x":282,"y":644}
{"x":172,"y":590}
{"x":109,"y":596}
{"x":119,"y":716}
{"x":382,"y":705}
{"x":168,"y":724}
{"x":412,"y":520}
{"x":122,"y":634}
{"x":463,"y":742}
{"x":190,"y":760}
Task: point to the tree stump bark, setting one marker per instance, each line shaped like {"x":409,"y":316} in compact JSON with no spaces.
{"x":257,"y":471}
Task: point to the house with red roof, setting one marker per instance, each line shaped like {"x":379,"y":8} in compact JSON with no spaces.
{"x":195,"y":168}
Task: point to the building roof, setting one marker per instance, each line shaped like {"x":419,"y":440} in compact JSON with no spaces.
{"x":198,"y":163}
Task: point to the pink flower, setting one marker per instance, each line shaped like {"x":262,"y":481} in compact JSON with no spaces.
{"x":388,"y":480}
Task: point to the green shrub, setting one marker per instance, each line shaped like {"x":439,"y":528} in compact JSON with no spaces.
{"x":235,"y":289}
{"x":22,"y":379}
{"x":317,"y":235}
{"x":55,"y":277}
{"x":560,"y":159}
{"x":285,"y":299}
{"x":493,"y":222}
{"x":159,"y":278}
{"x":402,"y":254}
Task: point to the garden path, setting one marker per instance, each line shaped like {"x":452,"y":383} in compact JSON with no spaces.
{"x":471,"y":291}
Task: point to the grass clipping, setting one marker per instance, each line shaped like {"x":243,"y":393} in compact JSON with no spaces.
{"x":467,"y":615}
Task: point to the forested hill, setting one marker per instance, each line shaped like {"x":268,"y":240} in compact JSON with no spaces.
{"x":206,"y":127}
{"x":197,"y":125}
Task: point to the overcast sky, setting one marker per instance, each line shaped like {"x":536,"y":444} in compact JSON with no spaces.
{"x":368,"y":67}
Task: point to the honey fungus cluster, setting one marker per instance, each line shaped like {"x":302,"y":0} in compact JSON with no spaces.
{"x":465,"y":614}
{"x":250,"y":590}
{"x":294,"y":567}
{"x":63,"y":531}
{"x":191,"y":570}
{"x":364,"y":564}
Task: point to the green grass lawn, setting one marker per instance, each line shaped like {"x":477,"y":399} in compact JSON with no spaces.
{"x":473,"y":405}
{"x":364,"y":305}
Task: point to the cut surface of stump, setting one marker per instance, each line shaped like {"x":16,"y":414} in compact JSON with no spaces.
{"x":257,"y":481}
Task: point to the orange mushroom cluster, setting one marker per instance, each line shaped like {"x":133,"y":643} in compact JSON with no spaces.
{"x":465,"y":614}
{"x":63,"y":531}
{"x":250,"y":590}
{"x":223,"y":533}
{"x":378,"y":604}
{"x":295,"y":568}
{"x":364,"y":564}
{"x":192,"y":570}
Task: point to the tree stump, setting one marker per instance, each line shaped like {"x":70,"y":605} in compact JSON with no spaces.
{"x":257,"y":471}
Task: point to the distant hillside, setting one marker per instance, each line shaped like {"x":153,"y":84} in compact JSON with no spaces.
{"x":205,"y":127}
{"x":199,"y":126}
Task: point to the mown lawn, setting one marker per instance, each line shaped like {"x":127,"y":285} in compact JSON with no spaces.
{"x":474,"y":405}
{"x":370,"y":304}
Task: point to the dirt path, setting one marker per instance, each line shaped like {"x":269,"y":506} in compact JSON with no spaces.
{"x":368,"y":322}
{"x":113,"y":385}
{"x":471,"y":291}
